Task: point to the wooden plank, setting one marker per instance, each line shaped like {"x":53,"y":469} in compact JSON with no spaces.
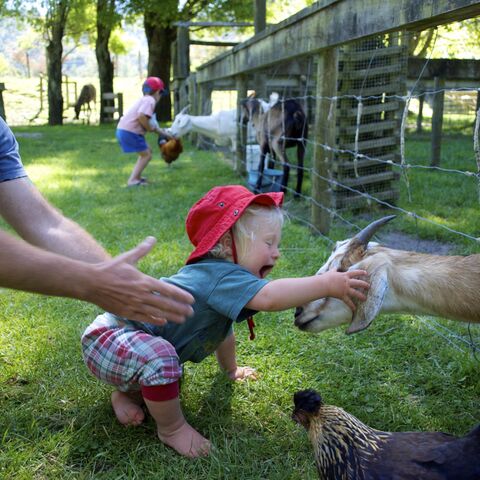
{"x":389,"y":52}
{"x":370,"y":127}
{"x":339,"y":167}
{"x":390,"y":89}
{"x":389,"y":106}
{"x":369,"y":144}
{"x":330,"y":23}
{"x":366,"y":180}
{"x":212,"y":43}
{"x":448,"y":69}
{"x":369,"y":73}
{"x":358,"y":201}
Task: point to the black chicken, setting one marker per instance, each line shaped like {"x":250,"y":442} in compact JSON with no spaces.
{"x":347,"y":449}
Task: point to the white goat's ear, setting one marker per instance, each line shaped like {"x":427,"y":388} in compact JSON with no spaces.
{"x":366,"y":311}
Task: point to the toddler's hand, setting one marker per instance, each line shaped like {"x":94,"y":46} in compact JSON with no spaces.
{"x":243,"y":373}
{"x":345,"y":285}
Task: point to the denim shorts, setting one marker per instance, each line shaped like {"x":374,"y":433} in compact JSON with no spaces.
{"x":131,"y":142}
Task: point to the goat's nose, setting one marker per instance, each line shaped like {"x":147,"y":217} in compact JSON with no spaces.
{"x":298,"y":311}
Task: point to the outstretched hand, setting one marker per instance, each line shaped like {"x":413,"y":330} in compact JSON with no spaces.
{"x":119,"y":288}
{"x":345,"y":286}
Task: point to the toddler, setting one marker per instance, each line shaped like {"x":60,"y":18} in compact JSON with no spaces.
{"x":135,"y":123}
{"x":236,"y":236}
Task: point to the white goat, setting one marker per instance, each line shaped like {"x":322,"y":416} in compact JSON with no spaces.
{"x":400,"y":282}
{"x":220,"y":126}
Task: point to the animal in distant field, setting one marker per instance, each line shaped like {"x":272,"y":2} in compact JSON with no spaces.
{"x":284,"y":125}
{"x":170,"y":149}
{"x":87,"y":94}
{"x":400,"y":282}
{"x":347,"y":449}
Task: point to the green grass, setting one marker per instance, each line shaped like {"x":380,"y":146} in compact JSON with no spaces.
{"x":56,"y":420}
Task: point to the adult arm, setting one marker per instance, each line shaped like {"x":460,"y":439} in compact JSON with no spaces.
{"x":286,"y":293}
{"x":75,"y":265}
{"x":41,"y":224}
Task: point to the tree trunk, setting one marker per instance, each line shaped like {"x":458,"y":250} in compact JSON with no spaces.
{"x":159,"y":40}
{"x":56,"y":27}
{"x":105,"y":14}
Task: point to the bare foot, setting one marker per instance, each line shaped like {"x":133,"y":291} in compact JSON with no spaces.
{"x":186,"y":441}
{"x":128,"y":407}
{"x":239,"y":374}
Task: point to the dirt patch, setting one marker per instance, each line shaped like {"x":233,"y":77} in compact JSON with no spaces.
{"x":401,"y":241}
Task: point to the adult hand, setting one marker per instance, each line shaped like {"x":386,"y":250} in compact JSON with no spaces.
{"x":119,"y":288}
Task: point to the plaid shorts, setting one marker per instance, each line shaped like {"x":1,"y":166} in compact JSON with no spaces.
{"x":128,"y":358}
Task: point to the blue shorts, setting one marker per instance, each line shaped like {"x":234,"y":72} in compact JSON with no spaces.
{"x":131,"y":142}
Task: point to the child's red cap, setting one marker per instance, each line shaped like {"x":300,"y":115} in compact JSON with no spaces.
{"x":153,"y":84}
{"x":216,"y":213}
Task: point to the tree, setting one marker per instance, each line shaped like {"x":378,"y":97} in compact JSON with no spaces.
{"x":55,"y":23}
{"x":159,"y":19}
{"x":107,"y":19}
{"x":50,"y":17}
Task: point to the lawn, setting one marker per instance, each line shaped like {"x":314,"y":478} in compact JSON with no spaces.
{"x":56,"y":420}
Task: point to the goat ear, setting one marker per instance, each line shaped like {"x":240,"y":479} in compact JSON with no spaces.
{"x":366,"y":311}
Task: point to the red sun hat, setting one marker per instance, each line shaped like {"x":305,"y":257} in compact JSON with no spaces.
{"x":153,"y":84}
{"x":216,"y":213}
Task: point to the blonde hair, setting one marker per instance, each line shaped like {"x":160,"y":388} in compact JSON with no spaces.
{"x":245,"y":229}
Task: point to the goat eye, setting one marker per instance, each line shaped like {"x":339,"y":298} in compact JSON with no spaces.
{"x":221,"y":204}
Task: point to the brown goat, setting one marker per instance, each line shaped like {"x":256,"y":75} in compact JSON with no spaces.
{"x":87,"y":94}
{"x":283,"y":126}
{"x":400,"y":282}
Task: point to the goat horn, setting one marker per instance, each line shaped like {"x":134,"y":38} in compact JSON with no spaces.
{"x":185,"y":109}
{"x":369,"y":231}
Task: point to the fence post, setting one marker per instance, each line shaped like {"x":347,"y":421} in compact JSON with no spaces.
{"x":240,"y":161}
{"x":183,"y":52}
{"x":260,"y":14}
{"x":325,"y":129}
{"x":437,"y":120}
{"x":421,"y":101}
{"x":2,"y":105}
{"x":108,"y":108}
{"x":204,"y":106}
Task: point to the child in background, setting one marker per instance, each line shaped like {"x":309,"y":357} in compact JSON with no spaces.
{"x":236,"y":235}
{"x":135,"y":123}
